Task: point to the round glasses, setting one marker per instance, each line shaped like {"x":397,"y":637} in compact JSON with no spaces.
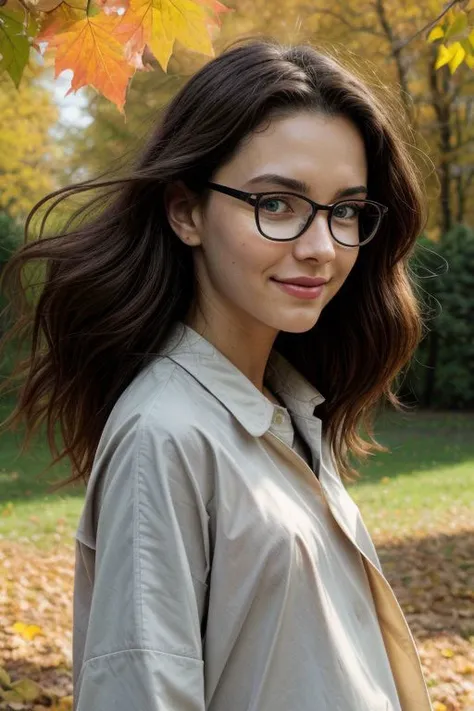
{"x":284,"y":216}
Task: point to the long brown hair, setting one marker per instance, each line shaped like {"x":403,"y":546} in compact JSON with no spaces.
{"x":116,"y":279}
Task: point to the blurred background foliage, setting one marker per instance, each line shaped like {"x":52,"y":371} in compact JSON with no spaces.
{"x":39,"y":152}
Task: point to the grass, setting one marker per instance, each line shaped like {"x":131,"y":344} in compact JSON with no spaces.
{"x":28,"y":513}
{"x":425,"y":483}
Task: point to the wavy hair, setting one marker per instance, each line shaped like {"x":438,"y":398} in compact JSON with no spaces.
{"x":117,"y":278}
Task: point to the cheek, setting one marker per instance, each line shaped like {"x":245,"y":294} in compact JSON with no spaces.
{"x":238,"y":248}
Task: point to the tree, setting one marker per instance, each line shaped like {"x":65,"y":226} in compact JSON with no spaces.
{"x":442,"y":375}
{"x":27,"y":146}
{"x":436,"y":98}
{"x":105,"y":41}
{"x":10,"y":238}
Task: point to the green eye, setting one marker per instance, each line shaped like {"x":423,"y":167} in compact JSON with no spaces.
{"x":271,"y":204}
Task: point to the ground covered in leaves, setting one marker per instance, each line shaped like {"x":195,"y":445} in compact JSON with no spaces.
{"x":433,"y":577}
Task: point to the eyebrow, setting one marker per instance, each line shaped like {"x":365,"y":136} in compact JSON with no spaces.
{"x":300,"y":186}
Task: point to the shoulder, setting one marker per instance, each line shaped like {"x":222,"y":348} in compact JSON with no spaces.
{"x":160,"y":417}
{"x":152,"y":407}
{"x":154,"y":434}
{"x":164,"y":399}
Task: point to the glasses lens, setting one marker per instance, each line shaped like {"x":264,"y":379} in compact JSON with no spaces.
{"x":355,"y":221}
{"x":282,"y":216}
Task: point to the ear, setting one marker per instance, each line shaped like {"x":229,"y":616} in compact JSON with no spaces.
{"x":184,"y":213}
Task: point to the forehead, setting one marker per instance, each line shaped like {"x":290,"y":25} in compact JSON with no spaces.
{"x":319,"y":149}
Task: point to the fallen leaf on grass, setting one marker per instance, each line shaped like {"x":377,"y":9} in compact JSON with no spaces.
{"x":447,"y":653}
{"x":28,"y":632}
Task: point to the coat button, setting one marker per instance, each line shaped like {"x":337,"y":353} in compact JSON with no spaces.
{"x":278,"y":418}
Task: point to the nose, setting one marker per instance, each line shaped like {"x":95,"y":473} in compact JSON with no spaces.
{"x":316,"y":242}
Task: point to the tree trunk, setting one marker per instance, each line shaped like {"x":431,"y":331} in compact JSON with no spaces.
{"x":397,"y":54}
{"x":430,"y":380}
{"x":440,"y":85}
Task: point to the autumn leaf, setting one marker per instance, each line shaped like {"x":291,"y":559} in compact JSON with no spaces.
{"x":4,"y":677}
{"x":11,"y":697}
{"x":436,"y":33}
{"x":15,"y":34}
{"x":28,"y":632}
{"x":159,"y":23}
{"x":42,"y":5}
{"x":27,"y":689}
{"x":457,"y":58}
{"x":452,"y":56}
{"x":89,"y":47}
{"x":215,"y":8}
{"x":104,"y":48}
{"x":447,"y":653}
{"x":60,"y":20}
{"x":457,"y":27}
{"x":113,"y":6}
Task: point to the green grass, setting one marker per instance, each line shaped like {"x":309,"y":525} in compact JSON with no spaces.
{"x":27,"y":511}
{"x":426,"y":481}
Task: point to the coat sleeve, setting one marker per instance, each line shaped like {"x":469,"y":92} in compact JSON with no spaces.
{"x":138,"y":627}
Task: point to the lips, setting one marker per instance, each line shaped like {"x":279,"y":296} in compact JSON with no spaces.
{"x":303,"y":281}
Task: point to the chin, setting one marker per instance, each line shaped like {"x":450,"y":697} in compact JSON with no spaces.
{"x":299,"y":323}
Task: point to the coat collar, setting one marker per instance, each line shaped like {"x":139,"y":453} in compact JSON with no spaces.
{"x":233,"y":389}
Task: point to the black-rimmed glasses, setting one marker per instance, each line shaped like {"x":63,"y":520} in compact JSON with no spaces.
{"x":284,"y":216}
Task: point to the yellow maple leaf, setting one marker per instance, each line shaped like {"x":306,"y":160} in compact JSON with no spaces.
{"x":159,"y":23}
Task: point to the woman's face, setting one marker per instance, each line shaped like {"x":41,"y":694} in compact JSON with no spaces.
{"x":238,"y":270}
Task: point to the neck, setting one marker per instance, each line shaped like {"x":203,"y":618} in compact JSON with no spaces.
{"x":247,"y":346}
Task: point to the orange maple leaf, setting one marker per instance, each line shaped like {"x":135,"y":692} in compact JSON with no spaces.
{"x":58,"y":20}
{"x":88,"y":46}
{"x":104,"y":48}
{"x":111,"y":6}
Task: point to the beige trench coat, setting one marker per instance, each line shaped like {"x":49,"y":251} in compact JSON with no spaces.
{"x":216,"y":570}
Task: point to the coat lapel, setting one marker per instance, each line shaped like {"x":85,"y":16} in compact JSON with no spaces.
{"x":398,"y":639}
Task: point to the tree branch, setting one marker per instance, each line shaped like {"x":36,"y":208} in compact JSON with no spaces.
{"x":354,"y":28}
{"x":430,"y":24}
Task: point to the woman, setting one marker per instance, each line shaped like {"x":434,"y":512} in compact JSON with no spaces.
{"x":255,"y":256}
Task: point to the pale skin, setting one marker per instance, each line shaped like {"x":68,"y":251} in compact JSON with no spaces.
{"x":240,"y":308}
